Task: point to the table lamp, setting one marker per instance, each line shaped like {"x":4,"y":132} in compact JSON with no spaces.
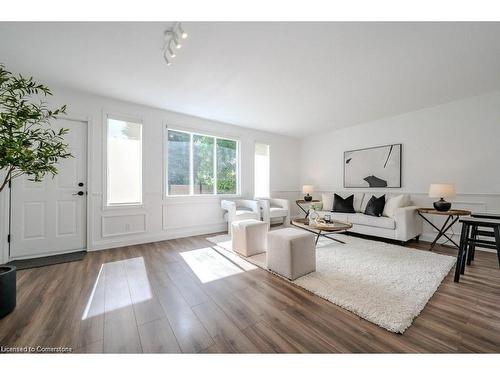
{"x":308,"y":189}
{"x":442,"y":191}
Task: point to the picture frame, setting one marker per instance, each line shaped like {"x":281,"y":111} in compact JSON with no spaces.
{"x":374,"y":167}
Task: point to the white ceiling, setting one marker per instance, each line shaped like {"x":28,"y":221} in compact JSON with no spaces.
{"x":288,"y":78}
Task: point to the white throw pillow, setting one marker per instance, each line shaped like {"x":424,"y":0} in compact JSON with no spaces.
{"x":327,"y":200}
{"x":392,"y":204}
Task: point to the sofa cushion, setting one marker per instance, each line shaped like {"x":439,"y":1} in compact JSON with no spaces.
{"x":278,"y":212}
{"x":343,"y":204}
{"x":393,"y":203}
{"x":372,"y":221}
{"x":375,"y":206}
{"x":367,"y":198}
{"x":406,"y":198}
{"x":327,"y":199}
{"x":243,"y":215}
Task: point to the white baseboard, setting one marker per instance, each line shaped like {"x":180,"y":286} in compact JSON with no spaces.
{"x":429,"y":237}
{"x":169,"y":234}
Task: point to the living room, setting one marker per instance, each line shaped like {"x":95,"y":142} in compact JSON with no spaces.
{"x":238,"y":194}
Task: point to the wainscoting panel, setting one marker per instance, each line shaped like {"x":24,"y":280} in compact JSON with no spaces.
{"x":474,"y":202}
{"x":123,"y":224}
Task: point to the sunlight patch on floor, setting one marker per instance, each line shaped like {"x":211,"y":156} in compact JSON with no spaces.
{"x":209,"y":265}
{"x":235,"y":258}
{"x":124,"y":282}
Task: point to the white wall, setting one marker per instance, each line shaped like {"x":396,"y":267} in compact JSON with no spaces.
{"x":457,"y":142}
{"x":166,"y":217}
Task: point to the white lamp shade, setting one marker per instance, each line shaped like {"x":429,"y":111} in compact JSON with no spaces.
{"x":442,"y":191}
{"x":308,"y":189}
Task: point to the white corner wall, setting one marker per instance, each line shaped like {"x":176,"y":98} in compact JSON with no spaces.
{"x":457,"y":142}
{"x":164,"y":217}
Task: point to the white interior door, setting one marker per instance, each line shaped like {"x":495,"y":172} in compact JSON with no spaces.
{"x":50,"y":217}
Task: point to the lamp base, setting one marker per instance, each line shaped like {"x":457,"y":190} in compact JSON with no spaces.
{"x":442,"y":206}
{"x":308,"y":198}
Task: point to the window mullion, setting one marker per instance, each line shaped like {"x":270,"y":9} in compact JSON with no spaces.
{"x":191,"y":166}
{"x":215,"y":166}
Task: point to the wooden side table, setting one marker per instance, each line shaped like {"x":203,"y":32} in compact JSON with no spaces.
{"x":453,"y":216}
{"x":300,"y":202}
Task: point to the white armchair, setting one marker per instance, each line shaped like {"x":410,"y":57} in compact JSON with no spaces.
{"x":239,"y":209}
{"x":275,"y":208}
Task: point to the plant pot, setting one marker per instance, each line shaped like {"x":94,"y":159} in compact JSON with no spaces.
{"x":7,"y":290}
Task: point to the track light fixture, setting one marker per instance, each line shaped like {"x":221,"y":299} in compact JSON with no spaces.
{"x":173,"y":37}
{"x":181,"y":31}
{"x":171,"y":50}
{"x":167,"y":57}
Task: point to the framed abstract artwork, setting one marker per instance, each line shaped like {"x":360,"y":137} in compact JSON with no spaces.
{"x":374,"y":167}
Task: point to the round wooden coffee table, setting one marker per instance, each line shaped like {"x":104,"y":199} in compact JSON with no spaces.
{"x":323,"y":229}
{"x":453,"y":215}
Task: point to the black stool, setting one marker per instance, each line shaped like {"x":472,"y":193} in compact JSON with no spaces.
{"x":474,"y":234}
{"x":472,"y":227}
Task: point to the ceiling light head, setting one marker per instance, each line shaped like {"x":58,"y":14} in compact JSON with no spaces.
{"x":171,"y":50}
{"x":166,"y":57}
{"x":173,"y":37}
{"x":176,"y":42}
{"x":182,"y":33}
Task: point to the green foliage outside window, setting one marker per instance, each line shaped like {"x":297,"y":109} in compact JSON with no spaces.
{"x":205,"y":173}
{"x":226,"y":166}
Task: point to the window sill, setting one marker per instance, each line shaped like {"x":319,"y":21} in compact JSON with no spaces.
{"x":122,"y":207}
{"x":199,"y":198}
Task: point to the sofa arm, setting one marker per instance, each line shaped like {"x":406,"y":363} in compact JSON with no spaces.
{"x":249,"y":203}
{"x":264,"y":206}
{"x":283,"y":203}
{"x":408,"y":223}
{"x":230,"y":207}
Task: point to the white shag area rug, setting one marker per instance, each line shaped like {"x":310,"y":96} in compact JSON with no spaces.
{"x":386,"y":284}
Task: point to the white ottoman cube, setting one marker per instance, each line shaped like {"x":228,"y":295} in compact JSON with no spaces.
{"x":249,"y":237}
{"x":291,"y":252}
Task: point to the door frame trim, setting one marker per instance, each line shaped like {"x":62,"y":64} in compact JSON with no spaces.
{"x":72,"y":116}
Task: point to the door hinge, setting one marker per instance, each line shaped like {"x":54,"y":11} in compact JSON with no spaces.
{"x":8,"y":238}
{"x":10,"y":184}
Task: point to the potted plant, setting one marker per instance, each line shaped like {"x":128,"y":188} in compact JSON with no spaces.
{"x":28,"y":146}
{"x":7,"y":289}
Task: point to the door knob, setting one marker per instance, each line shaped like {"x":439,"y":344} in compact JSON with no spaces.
{"x":78,"y":193}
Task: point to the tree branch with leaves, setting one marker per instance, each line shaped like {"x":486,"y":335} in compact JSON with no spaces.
{"x":28,"y":144}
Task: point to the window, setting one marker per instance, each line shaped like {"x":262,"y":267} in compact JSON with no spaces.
{"x":124,"y":162}
{"x":261,"y":171}
{"x":200,"y":164}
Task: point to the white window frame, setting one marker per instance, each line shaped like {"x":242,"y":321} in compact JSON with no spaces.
{"x":120,"y":117}
{"x":192,"y":132}
{"x":269,"y":161}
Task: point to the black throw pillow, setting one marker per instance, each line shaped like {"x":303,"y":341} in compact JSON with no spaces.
{"x":375,"y":206}
{"x":343,"y":205}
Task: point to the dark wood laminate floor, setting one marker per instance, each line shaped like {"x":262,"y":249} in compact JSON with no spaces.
{"x":182,"y":296}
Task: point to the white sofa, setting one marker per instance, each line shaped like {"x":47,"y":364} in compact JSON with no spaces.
{"x":404,"y":225}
